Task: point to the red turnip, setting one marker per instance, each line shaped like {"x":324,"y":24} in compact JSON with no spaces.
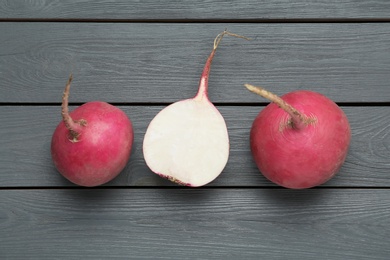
{"x":300,"y":140}
{"x":187,"y":142}
{"x":93,"y":143}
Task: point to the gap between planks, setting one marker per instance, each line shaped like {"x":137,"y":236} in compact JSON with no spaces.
{"x":249,"y":20}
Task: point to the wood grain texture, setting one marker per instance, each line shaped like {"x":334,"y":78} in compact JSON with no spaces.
{"x":201,"y":224}
{"x":142,"y":63}
{"x":189,"y":10}
{"x":25,"y":149}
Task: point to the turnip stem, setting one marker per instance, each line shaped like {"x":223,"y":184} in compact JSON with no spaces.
{"x":219,"y":37}
{"x":204,"y":79}
{"x":73,"y":127}
{"x":298,"y":119}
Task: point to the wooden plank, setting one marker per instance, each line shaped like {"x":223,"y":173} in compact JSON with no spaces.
{"x":190,"y":10}
{"x":200,"y":223}
{"x":26,"y":132}
{"x":141,"y":63}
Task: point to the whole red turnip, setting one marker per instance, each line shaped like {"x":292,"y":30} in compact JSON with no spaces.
{"x":300,"y":140}
{"x":93,"y":143}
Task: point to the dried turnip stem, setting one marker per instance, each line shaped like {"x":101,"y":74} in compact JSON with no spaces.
{"x":74,"y":127}
{"x":203,"y":85}
{"x":298,"y":119}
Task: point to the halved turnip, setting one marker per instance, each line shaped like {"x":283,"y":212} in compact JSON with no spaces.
{"x":187,"y":142}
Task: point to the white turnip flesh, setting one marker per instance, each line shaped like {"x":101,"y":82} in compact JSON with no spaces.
{"x":300,"y":140}
{"x":187,"y":142}
{"x":92,"y":144}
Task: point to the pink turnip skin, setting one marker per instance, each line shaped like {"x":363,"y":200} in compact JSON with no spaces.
{"x":92,"y":144}
{"x":304,"y":152}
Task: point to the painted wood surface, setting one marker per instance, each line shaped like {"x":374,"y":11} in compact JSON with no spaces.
{"x":195,"y":10}
{"x":144,"y":55}
{"x":149,"y":63}
{"x":195,"y":224}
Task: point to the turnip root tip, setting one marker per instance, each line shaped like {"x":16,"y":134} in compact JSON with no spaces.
{"x":298,"y":119}
{"x":74,"y":127}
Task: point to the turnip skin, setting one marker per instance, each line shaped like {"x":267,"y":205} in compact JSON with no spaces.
{"x":305,"y":157}
{"x":100,"y":151}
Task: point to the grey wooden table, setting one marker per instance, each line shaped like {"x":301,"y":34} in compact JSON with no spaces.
{"x":144,"y":55}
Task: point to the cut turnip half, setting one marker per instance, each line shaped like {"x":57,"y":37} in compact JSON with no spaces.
{"x":187,"y":142}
